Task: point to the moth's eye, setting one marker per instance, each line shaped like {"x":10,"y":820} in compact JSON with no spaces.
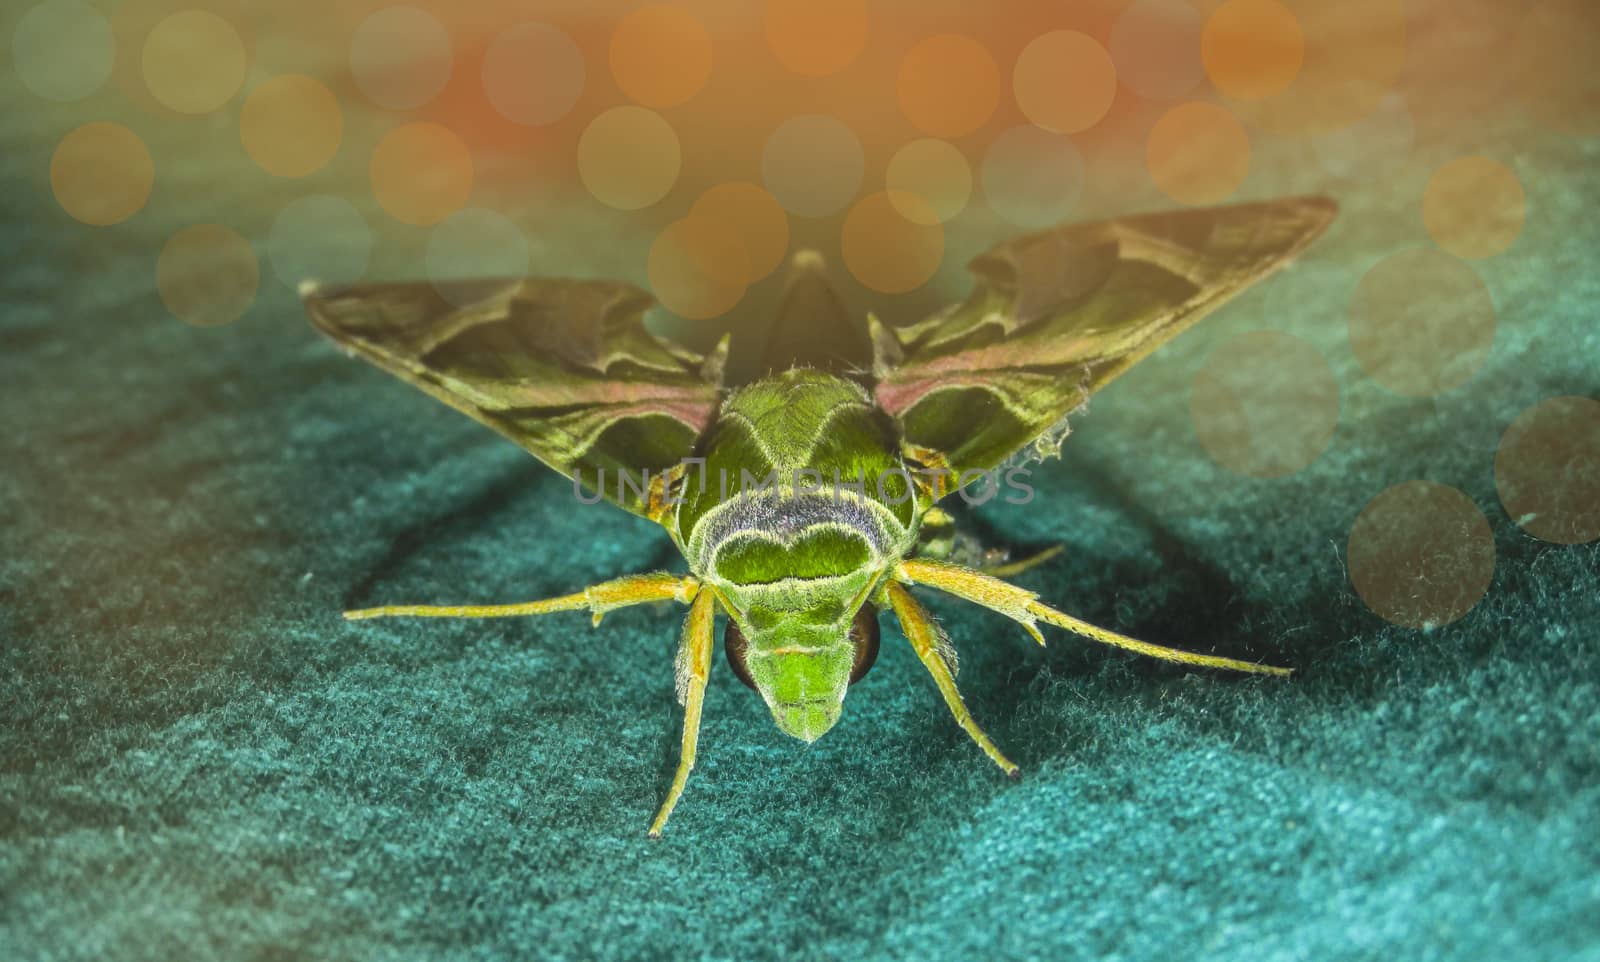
{"x":734,"y":646}
{"x":864,"y":639}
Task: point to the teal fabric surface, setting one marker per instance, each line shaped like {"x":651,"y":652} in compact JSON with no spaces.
{"x":200,"y":760}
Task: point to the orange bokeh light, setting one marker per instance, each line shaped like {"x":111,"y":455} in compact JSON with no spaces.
{"x":102,"y":173}
{"x":1065,"y":81}
{"x":1474,"y":207}
{"x":421,"y":173}
{"x":1198,"y":153}
{"x":661,"y":55}
{"x":1252,"y":49}
{"x":816,"y":37}
{"x":888,"y":251}
{"x":698,"y":267}
{"x":948,"y":85}
{"x":291,"y":125}
{"x":753,"y":216}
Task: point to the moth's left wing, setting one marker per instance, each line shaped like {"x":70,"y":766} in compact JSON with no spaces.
{"x":565,"y":368}
{"x":1057,"y":315}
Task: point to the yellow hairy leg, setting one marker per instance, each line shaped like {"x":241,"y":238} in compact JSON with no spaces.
{"x":694,"y":656}
{"x":923,"y":633}
{"x":1023,"y":606}
{"x":599,"y":599}
{"x":694,"y":667}
{"x":941,"y":524}
{"x":1023,"y":564}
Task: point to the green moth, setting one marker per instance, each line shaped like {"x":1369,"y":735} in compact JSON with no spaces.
{"x":807,"y":500}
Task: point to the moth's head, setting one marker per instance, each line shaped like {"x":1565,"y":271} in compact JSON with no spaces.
{"x":802,"y":662}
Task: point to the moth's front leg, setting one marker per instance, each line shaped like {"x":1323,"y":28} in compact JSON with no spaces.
{"x":599,"y":599}
{"x":934,"y":651}
{"x":1023,"y":607}
{"x":693,"y":669}
{"x":943,"y":540}
{"x":694,"y":654}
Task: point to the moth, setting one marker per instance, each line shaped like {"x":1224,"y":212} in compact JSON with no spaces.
{"x":808,"y":500}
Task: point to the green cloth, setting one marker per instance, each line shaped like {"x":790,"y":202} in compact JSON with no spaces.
{"x":200,"y":760}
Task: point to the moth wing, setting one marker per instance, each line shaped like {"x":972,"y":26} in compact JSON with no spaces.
{"x":565,"y":368}
{"x":1057,"y":315}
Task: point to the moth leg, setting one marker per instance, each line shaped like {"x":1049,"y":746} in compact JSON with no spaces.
{"x":1023,"y":564}
{"x":943,"y":540}
{"x":1023,"y":607}
{"x":599,"y":599}
{"x":693,"y":668}
{"x":931,"y":646}
{"x":939,"y":534}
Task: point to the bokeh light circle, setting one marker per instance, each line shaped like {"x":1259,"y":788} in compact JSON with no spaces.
{"x":1064,"y":81}
{"x":401,"y":57}
{"x":698,"y":266}
{"x":207,"y":275}
{"x":101,"y":173}
{"x":1421,"y":322}
{"x":1155,"y":46}
{"x":753,"y":216}
{"x":533,"y":74}
{"x":1265,"y":404}
{"x":194,"y":62}
{"x":1032,"y":177}
{"x":629,"y":157}
{"x":1421,"y":554}
{"x":1547,"y":470}
{"x":421,"y":173}
{"x":887,"y":250}
{"x":291,"y":125}
{"x":661,"y":55}
{"x":1198,"y":153}
{"x":1252,"y":49}
{"x":1353,"y":53}
{"x":1474,"y":207}
{"x":321,"y":238}
{"x":948,"y":85}
{"x":816,"y":37}
{"x":813,"y":164}
{"x":933,"y":170}
{"x":63,"y":50}
{"x":472,"y":244}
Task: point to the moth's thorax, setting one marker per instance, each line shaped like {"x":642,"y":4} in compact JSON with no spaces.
{"x":801,"y":480}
